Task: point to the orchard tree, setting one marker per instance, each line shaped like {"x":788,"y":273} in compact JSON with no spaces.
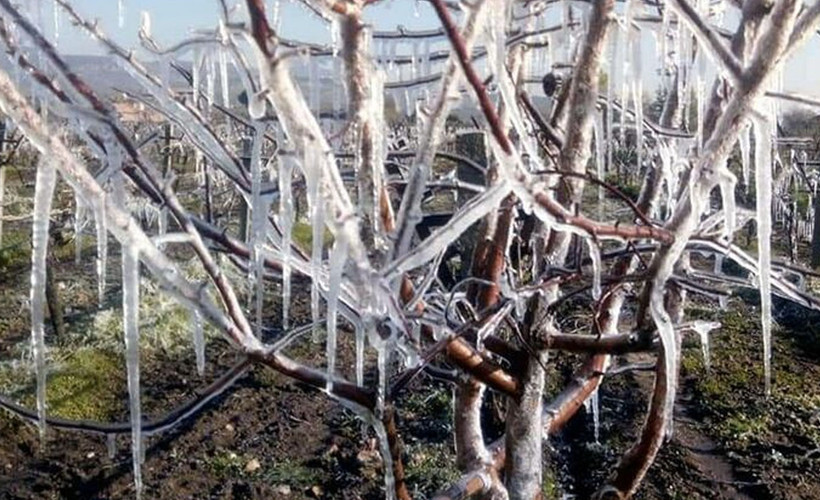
{"x":536,"y":221}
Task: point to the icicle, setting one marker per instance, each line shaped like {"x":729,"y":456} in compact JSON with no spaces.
{"x":199,"y":341}
{"x":224,"y":78}
{"x":637,"y":89}
{"x":43,"y":195}
{"x":335,"y":35}
{"x":745,"y":147}
{"x":286,"y":223}
{"x":145,"y":26}
{"x":259,"y":217}
{"x":414,"y":59}
{"x":2,"y":193}
{"x":102,"y":248}
{"x":196,"y":79}
{"x":210,"y":78}
{"x":257,"y":104}
{"x":360,"y":337}
{"x":727,"y":191}
{"x":316,"y":263}
{"x":120,"y":13}
{"x":598,"y":129}
{"x":595,"y":257}
{"x":387,"y":459}
{"x":595,"y":403}
{"x":111,"y":445}
{"x":337,"y":262}
{"x":703,"y":328}
{"x":763,"y":190}
{"x":130,"y":306}
{"x":314,"y":88}
{"x":276,"y":15}
{"x":56,"y":15}
{"x":313,"y":179}
{"x":79,"y":214}
{"x":383,"y":353}
{"x":426,"y":60}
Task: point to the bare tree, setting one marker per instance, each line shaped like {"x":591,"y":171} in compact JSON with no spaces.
{"x":547,"y":232}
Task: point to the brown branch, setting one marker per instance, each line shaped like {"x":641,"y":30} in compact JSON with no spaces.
{"x":259,"y":25}
{"x":594,"y":344}
{"x":395,"y":443}
{"x":598,"y":229}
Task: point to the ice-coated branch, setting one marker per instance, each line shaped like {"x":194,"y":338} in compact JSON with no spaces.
{"x":431,"y":137}
{"x":708,"y":39}
{"x":148,"y":170}
{"x":461,"y":49}
{"x":182,"y":113}
{"x":120,"y":223}
{"x":683,"y":223}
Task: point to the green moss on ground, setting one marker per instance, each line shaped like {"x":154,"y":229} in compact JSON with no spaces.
{"x":87,"y":386}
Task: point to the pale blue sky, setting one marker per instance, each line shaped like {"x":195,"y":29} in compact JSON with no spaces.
{"x":169,"y":16}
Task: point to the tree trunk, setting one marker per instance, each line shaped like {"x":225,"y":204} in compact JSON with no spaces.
{"x":524,"y":435}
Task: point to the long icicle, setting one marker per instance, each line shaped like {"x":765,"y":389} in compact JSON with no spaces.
{"x":286,"y":222}
{"x":338,"y":258}
{"x":43,"y":195}
{"x":102,"y":248}
{"x":763,"y":190}
{"x":130,"y":307}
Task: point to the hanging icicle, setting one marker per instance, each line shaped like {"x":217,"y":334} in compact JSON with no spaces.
{"x":130,"y":306}
{"x":763,"y":190}
{"x":43,"y":196}
{"x":199,"y":341}
{"x":79,"y":219}
{"x":121,"y":13}
{"x":338,"y":257}
{"x":286,"y":218}
{"x":101,"y":226}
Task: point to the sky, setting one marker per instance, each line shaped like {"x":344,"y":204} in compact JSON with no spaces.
{"x":168,"y":17}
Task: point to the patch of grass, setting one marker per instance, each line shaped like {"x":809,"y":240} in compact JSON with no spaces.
{"x":16,"y":251}
{"x":225,"y":464}
{"x":742,"y":429}
{"x":549,"y":484}
{"x":164,"y":324}
{"x":431,"y":467}
{"x":87,"y":386}
{"x":292,"y":473}
{"x":302,"y":234}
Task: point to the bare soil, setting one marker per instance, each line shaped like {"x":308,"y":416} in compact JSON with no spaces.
{"x":268,"y":438}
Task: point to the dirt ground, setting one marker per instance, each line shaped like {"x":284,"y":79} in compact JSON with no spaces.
{"x":267,"y":438}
